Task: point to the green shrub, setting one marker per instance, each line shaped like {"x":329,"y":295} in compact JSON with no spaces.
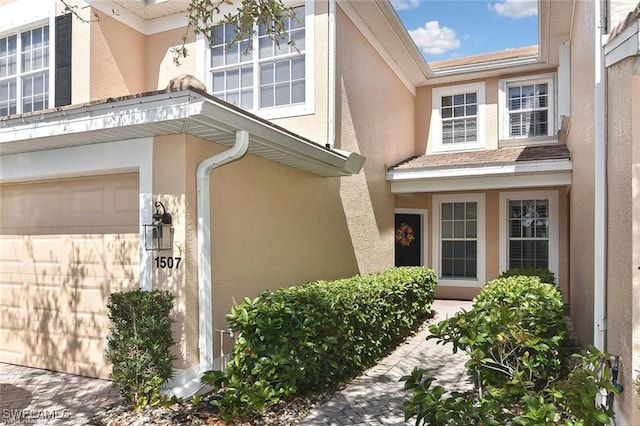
{"x":139,"y":344}
{"x":545,"y":275}
{"x":518,"y":346}
{"x":310,"y":338}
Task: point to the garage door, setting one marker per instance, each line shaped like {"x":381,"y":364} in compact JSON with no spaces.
{"x":65,"y":245}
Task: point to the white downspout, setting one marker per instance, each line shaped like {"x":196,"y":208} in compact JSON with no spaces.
{"x":331,"y":97}
{"x":600,"y":188}
{"x":205,"y":311}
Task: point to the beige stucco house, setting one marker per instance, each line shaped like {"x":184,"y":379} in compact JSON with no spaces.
{"x":346,"y":155}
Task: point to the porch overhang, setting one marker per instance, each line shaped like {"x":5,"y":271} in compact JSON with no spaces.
{"x":481,"y":177}
{"x":190,"y":111}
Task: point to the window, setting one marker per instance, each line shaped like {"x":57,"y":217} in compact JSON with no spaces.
{"x":527,"y":108}
{"x":24,"y":71}
{"x":529,"y":230}
{"x":458,"y":117}
{"x":459,"y":239}
{"x":262,"y":75}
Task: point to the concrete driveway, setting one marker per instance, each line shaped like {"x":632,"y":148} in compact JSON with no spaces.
{"x":42,"y":397}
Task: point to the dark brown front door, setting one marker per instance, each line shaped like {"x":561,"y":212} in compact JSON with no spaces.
{"x":408,"y":236}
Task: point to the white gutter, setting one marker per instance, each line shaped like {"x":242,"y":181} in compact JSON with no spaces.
{"x":205,"y":311}
{"x":600,"y":188}
{"x":331,"y":99}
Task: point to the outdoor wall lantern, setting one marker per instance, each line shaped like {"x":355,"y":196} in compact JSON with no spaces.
{"x":159,"y":234}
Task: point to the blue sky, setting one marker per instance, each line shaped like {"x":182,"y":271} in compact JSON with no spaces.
{"x":445,"y":29}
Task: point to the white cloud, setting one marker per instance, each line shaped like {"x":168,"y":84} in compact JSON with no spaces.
{"x":405,"y":4}
{"x":516,"y":9}
{"x":434,"y":39}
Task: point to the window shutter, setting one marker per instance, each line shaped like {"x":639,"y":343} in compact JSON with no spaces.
{"x":63,"y":60}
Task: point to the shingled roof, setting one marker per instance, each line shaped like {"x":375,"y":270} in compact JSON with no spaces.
{"x":486,"y":157}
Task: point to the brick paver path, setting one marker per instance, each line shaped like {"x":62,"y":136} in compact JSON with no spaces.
{"x":376,"y":397}
{"x":33,"y":396}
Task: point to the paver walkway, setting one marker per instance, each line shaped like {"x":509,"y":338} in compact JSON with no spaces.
{"x":32,"y":396}
{"x":376,"y":397}
{"x":40,"y":397}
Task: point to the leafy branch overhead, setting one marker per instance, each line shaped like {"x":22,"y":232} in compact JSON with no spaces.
{"x":203,"y":15}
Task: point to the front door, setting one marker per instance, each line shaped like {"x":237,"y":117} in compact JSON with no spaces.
{"x":408,"y":236}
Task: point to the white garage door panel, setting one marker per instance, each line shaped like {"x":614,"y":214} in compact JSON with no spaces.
{"x":65,"y":246}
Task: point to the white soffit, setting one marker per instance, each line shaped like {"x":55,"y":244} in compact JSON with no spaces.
{"x":482,"y":177}
{"x":554,"y":27}
{"x":385,"y":32}
{"x":145,"y":16}
{"x":160,"y":113}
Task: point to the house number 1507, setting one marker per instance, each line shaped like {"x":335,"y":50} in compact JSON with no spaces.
{"x":167,"y":262}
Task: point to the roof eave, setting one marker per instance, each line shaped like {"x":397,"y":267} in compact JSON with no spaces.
{"x":185,"y":112}
{"x":481,"y":177}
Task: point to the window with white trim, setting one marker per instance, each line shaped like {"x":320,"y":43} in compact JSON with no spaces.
{"x":529,"y":230}
{"x":24,"y":71}
{"x":459,"y":239}
{"x":527,"y":108}
{"x":458,"y":117}
{"x":259,"y":74}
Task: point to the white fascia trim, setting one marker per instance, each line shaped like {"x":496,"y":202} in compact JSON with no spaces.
{"x":481,"y":249}
{"x":112,"y":157}
{"x":624,"y":45}
{"x":102,"y":116}
{"x":482,"y":183}
{"x":372,"y":39}
{"x":486,"y":66}
{"x":146,"y":27}
{"x":15,"y":16}
{"x":529,"y":167}
{"x":554,"y":225}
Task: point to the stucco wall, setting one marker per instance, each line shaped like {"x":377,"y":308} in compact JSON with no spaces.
{"x":580,"y":140}
{"x":375,"y":117}
{"x":620,"y":207}
{"x":117,"y":58}
{"x":159,"y":66}
{"x":272,"y":226}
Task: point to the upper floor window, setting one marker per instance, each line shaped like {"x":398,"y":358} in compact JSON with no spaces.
{"x":527,"y":108}
{"x":261,"y":74}
{"x":24,"y":71}
{"x":458,"y":117}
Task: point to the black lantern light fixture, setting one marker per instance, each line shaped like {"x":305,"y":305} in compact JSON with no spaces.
{"x":159,"y":234}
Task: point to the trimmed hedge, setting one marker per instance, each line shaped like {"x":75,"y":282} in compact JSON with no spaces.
{"x":310,"y":338}
{"x":545,"y":275}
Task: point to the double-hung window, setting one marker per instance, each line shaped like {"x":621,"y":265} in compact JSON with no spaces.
{"x":527,"y":108}
{"x":529,"y":230}
{"x":458,"y":117}
{"x":262,"y":74}
{"x":24,"y":71}
{"x":459,"y":239}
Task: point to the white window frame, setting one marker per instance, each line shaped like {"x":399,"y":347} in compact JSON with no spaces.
{"x":436,"y":118}
{"x":503,"y":110}
{"x":553,"y":226}
{"x":481,"y":248}
{"x":424,"y":220}
{"x":303,"y":108}
{"x":49,"y":68}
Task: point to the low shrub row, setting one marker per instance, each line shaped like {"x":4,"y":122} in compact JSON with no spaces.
{"x":525,"y":369}
{"x":311,"y":337}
